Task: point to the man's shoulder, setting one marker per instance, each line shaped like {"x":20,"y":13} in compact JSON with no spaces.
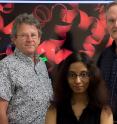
{"x":8,"y":58}
{"x":105,"y":55}
{"x":8,"y":61}
{"x":41,"y":63}
{"x":106,"y":51}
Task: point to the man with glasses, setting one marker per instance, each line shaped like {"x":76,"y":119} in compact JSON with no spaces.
{"x":25,"y":87}
{"x":108,"y":59}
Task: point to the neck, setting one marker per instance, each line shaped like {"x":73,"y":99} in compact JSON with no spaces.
{"x":80,"y":98}
{"x":33,"y":57}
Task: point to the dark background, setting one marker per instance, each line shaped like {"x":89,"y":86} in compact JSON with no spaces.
{"x":87,"y":20}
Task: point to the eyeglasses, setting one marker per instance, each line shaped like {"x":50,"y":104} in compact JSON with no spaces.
{"x":112,"y":21}
{"x":82,"y":75}
{"x":25,"y":36}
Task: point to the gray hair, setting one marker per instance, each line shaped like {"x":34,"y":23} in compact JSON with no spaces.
{"x":27,"y":19}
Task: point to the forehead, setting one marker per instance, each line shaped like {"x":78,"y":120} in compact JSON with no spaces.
{"x":78,"y":66}
{"x":25,"y":26}
{"x":112,"y":11}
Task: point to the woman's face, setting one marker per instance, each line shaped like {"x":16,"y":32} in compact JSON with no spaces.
{"x":78,"y":77}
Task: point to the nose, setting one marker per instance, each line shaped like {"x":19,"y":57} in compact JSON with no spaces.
{"x":29,"y":37}
{"x":116,"y":23}
{"x":78,"y":79}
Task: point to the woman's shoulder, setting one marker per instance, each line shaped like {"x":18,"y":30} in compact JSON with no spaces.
{"x":51,"y":115}
{"x":52,"y":109}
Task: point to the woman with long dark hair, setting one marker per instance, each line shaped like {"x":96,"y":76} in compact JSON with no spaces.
{"x":80,"y":93}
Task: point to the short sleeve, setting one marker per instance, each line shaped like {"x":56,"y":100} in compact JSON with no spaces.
{"x":5,"y":82}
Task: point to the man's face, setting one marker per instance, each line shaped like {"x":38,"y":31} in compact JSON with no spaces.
{"x":27,"y":39}
{"x":111,"y":17}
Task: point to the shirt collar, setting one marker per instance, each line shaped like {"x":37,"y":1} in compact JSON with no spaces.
{"x":113,"y":46}
{"x":24,"y":57}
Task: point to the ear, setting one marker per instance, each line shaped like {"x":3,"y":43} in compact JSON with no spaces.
{"x":40,"y":37}
{"x":13,"y":39}
{"x":39,"y":40}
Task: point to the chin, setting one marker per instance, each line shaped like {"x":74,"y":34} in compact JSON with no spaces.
{"x":78,"y":91}
{"x":29,"y":53}
{"x":31,"y":50}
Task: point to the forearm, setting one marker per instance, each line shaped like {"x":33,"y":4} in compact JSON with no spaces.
{"x":3,"y":118}
{"x":3,"y":111}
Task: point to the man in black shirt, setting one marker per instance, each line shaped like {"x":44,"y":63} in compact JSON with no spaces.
{"x":108,"y":59}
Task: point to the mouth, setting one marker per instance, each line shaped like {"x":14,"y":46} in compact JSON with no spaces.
{"x":29,"y":45}
{"x":78,"y":87}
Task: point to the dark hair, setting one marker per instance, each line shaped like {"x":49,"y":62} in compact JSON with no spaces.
{"x":97,"y":90}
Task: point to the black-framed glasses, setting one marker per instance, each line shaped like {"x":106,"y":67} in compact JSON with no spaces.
{"x":82,"y":74}
{"x":25,"y":36}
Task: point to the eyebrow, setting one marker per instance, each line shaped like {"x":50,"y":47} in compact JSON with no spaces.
{"x":78,"y":72}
